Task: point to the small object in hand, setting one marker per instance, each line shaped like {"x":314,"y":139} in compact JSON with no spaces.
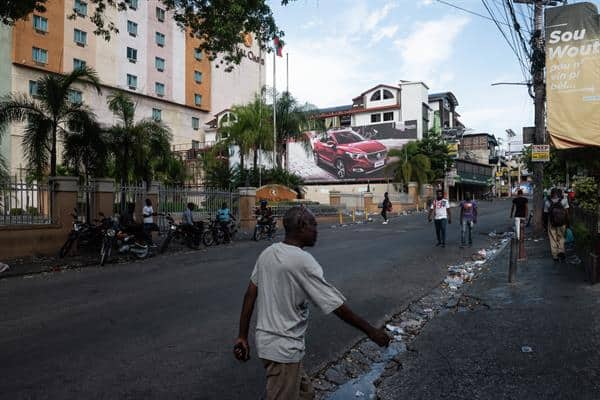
{"x":240,"y":352}
{"x":526,"y":349}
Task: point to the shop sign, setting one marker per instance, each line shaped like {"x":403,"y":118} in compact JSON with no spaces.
{"x":540,"y":153}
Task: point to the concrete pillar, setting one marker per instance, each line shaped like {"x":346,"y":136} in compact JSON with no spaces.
{"x":247,"y":206}
{"x":413,"y":194}
{"x":368,"y":201}
{"x":64,"y":201}
{"x":335,"y":198}
{"x":153,"y":194}
{"x":104,"y":197}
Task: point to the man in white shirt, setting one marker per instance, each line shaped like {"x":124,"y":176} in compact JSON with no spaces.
{"x":285,"y":278}
{"x":440,"y":211}
{"x":147,"y":214}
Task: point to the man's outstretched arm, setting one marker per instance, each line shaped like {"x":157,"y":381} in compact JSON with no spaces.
{"x":241,"y":349}
{"x":347,"y":315}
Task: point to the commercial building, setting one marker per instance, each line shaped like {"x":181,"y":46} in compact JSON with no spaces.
{"x":475,"y":166}
{"x":157,"y":63}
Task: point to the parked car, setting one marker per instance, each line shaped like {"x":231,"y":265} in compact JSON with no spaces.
{"x":349,"y":153}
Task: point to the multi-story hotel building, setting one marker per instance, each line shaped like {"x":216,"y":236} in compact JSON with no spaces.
{"x":151,"y":59}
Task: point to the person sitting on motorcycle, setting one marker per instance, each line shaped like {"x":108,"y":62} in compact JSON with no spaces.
{"x":265,"y":215}
{"x":224,"y":218}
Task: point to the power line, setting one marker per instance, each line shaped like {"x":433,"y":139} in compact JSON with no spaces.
{"x":466,"y":10}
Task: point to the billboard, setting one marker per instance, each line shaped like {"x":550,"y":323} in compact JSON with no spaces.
{"x":348,"y":154}
{"x":573,"y":75}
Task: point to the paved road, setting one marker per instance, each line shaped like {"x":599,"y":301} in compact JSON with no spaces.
{"x":164,"y":328}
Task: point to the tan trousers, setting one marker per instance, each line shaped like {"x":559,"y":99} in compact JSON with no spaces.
{"x":557,"y":239}
{"x":287,"y":382}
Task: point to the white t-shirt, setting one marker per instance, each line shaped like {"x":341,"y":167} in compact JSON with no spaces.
{"x":147,"y":210}
{"x":440,"y":208}
{"x":287,"y":278}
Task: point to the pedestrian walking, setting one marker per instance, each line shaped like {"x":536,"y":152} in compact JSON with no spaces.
{"x":440,"y":211}
{"x":558,"y":220}
{"x":385,"y":207}
{"x":519,"y":210}
{"x":285,"y":278}
{"x":468,"y":217}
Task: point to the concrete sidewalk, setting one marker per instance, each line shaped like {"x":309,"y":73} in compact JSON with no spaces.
{"x":482,"y":353}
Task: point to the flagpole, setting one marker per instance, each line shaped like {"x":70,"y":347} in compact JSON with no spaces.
{"x":274,"y":109}
{"x":260,"y":113}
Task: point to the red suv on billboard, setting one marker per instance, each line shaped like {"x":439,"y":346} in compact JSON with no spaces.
{"x":349,"y":153}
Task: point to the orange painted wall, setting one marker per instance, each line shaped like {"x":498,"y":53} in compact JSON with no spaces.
{"x":191,"y":65}
{"x":25,"y":38}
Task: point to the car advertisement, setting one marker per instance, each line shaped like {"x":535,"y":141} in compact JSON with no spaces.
{"x":348,"y":154}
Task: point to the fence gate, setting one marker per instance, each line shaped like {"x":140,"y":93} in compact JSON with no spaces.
{"x":25,"y":203}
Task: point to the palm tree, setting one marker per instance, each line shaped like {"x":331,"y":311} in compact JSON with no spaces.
{"x":409,"y":165}
{"x":139,"y":149}
{"x":292,"y":120}
{"x":47,"y":115}
{"x":250,"y":130}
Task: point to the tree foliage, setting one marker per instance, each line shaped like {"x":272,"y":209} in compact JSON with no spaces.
{"x":218,"y":23}
{"x":409,"y":164}
{"x":436,"y":150}
{"x":48,"y":116}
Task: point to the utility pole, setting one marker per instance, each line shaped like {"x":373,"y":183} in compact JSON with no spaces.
{"x":537,"y":70}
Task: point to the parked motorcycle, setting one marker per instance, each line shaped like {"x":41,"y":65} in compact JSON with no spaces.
{"x":83,"y":234}
{"x":190,"y":235}
{"x":262,"y":230}
{"x":124,"y":243}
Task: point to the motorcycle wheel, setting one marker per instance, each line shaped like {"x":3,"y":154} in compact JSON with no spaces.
{"x":165,"y":244}
{"x":105,"y":251}
{"x":64,"y":250}
{"x":258,"y":232}
{"x":220,"y":237}
{"x":143,"y":254}
{"x":208,"y":238}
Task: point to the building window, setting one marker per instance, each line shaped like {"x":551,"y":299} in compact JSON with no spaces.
{"x":131,"y":54}
{"x":388,"y":116}
{"x":195,"y":123}
{"x":160,"y":14}
{"x":198,"y":76}
{"x":159,"y":88}
{"x":40,"y":24}
{"x":131,"y":81}
{"x":133,"y":4}
{"x":376,"y":96}
{"x":75,"y":96}
{"x":197,"y":54}
{"x":80,"y":8}
{"x":198,"y":99}
{"x":375,"y":118}
{"x":78,"y":64}
{"x":132,"y":28}
{"x":34,"y":88}
{"x":159,"y":63}
{"x":387,"y":94}
{"x":160,"y":39}
{"x":80,"y":37}
{"x":156,"y":114}
{"x":40,"y":55}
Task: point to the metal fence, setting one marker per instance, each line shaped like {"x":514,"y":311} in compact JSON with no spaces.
{"x":86,"y":202}
{"x":25,"y":203}
{"x":129,"y":194}
{"x":207,"y":201}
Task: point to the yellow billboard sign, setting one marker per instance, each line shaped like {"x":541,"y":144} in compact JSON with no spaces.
{"x":540,"y":153}
{"x":573,"y":75}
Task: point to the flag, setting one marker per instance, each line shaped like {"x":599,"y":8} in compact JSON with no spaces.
{"x":278,"y":46}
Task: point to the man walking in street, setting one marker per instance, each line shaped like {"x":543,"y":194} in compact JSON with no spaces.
{"x":385,"y":207}
{"x":558,"y":220}
{"x":284,"y":279}
{"x":440,"y":211}
{"x":468,"y":217}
